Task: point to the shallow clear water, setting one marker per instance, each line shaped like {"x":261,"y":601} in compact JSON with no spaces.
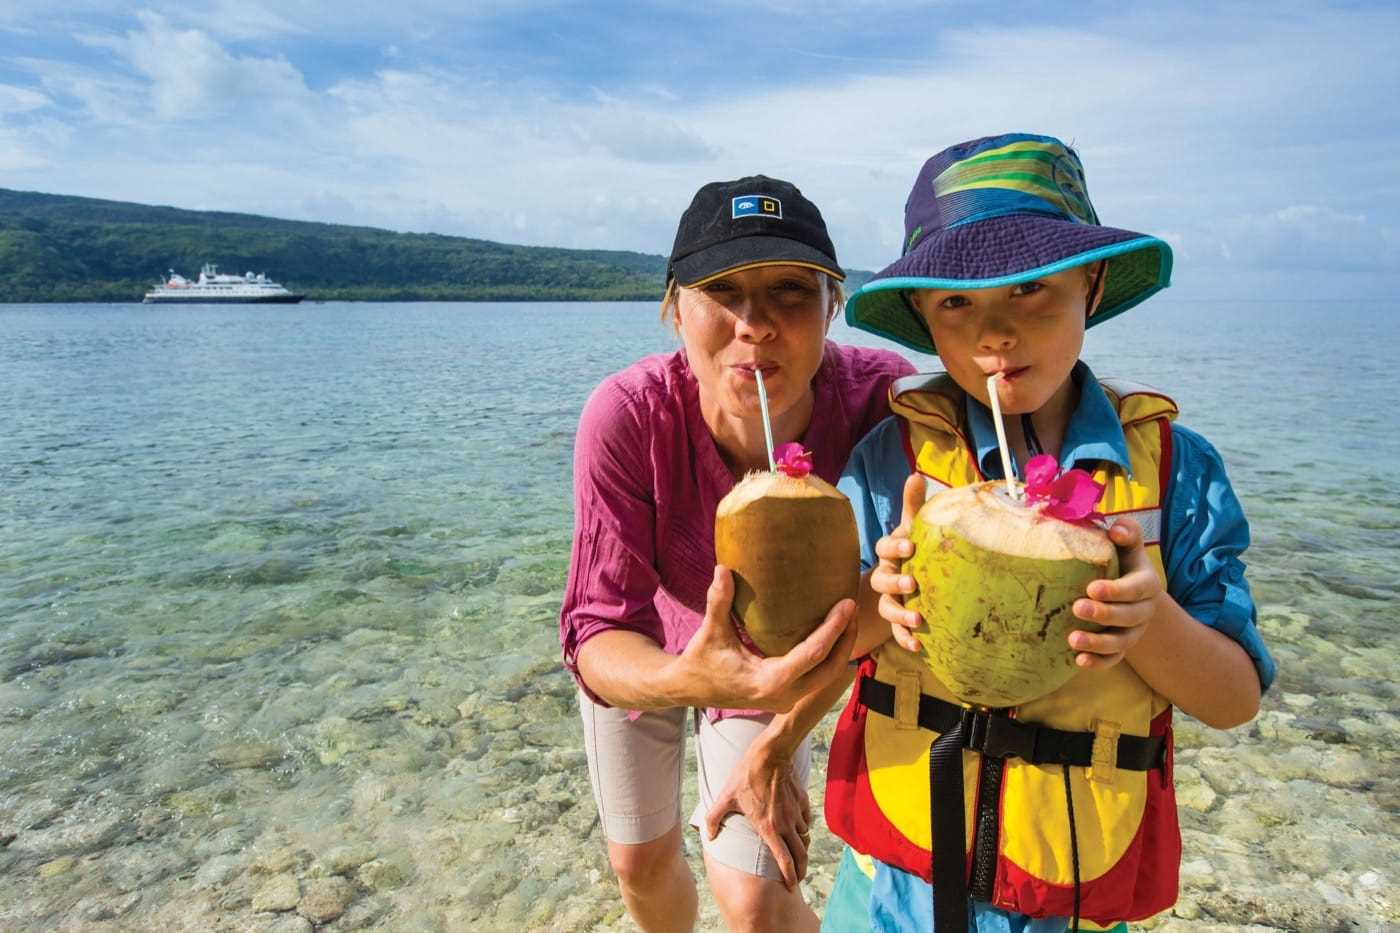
{"x":279,"y":594}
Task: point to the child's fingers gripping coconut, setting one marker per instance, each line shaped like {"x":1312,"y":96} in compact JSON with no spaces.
{"x":889,"y":579}
{"x":1123,"y":607}
{"x":1118,"y":609}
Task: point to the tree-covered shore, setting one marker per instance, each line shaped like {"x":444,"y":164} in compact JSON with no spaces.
{"x":66,"y":249}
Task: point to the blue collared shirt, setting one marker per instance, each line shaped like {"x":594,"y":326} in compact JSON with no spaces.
{"x":1204,"y":532}
{"x":1093,"y":433}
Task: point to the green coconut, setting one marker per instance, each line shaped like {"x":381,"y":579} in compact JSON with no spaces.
{"x":997,"y":580}
{"x":792,"y":546}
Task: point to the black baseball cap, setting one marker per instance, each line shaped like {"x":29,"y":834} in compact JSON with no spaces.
{"x":753,"y":221}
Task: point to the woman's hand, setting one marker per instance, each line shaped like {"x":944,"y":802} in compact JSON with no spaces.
{"x":887,"y":579}
{"x":764,"y":788}
{"x":716,"y":670}
{"x":1125,"y":605}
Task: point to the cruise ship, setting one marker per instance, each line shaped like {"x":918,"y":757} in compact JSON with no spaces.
{"x":214,"y":288}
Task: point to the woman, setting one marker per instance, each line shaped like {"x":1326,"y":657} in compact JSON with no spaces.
{"x":752,"y":284}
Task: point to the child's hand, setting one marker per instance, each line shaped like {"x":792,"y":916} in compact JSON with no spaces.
{"x":1125,"y":605}
{"x":887,"y":580}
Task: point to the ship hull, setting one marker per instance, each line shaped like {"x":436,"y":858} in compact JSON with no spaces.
{"x":221,"y":300}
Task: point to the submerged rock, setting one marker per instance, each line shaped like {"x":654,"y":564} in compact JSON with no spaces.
{"x":277,"y":861}
{"x":217,"y":872}
{"x":325,"y":899}
{"x":236,"y":755}
{"x":200,"y":802}
{"x":78,"y":834}
{"x":138,"y":867}
{"x":59,"y":866}
{"x":227,"y":840}
{"x":335,"y":737}
{"x":279,"y":893}
{"x":380,"y":875}
{"x":1197,"y":873}
{"x":1192,"y":790}
{"x":344,"y":859}
{"x":98,"y":908}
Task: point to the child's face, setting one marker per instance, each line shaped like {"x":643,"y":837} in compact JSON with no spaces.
{"x":1031,"y":332}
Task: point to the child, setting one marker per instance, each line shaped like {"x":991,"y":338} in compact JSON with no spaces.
{"x":1060,"y":813}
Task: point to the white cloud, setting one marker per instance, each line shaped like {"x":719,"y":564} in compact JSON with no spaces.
{"x":192,"y":77}
{"x":639,"y":135}
{"x":20,"y":99}
{"x":1316,"y":238}
{"x":15,"y":154}
{"x":101,"y":96}
{"x":1243,"y":149}
{"x":34,"y":147}
{"x":1191,"y":143}
{"x":236,"y":20}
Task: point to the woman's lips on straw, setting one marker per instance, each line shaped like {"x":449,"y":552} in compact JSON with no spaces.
{"x":747,"y":369}
{"x":1006,"y":375}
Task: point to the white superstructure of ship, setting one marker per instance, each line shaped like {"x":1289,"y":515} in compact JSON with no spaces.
{"x":213,"y":287}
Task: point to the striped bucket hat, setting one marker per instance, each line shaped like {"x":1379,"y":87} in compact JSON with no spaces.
{"x":1000,"y":211}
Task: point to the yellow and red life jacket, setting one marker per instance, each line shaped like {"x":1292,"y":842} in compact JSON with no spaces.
{"x":1068,"y":805}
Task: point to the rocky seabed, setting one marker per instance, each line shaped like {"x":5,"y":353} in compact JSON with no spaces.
{"x":371,"y":788}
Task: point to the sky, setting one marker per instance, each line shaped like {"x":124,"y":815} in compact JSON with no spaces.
{"x":1262,"y":141}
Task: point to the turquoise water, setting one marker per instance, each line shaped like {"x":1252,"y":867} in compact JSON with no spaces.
{"x":279,"y":593}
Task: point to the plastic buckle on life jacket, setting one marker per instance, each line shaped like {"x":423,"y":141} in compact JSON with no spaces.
{"x":1103,"y":760}
{"x":1004,"y":737}
{"x":906,"y":701}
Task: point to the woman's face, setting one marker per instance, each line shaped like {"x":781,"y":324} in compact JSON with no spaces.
{"x":769,"y":318}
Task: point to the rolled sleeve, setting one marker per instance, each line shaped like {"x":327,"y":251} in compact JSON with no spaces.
{"x":1205,"y":534}
{"x":612,"y":576}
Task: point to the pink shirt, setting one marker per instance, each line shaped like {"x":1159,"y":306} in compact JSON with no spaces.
{"x":648,"y":478}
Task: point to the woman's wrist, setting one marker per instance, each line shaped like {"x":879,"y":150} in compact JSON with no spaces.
{"x":631,"y":671}
{"x":782,"y":737}
{"x":778,"y":742}
{"x":679,"y":684}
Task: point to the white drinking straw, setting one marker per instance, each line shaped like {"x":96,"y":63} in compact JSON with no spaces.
{"x":767,"y":427}
{"x":1001,"y":432}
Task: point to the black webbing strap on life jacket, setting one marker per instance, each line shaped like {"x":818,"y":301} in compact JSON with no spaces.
{"x":945,"y":773}
{"x":994,"y":734}
{"x":997,"y":735}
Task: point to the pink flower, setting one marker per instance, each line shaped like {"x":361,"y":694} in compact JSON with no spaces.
{"x":1040,"y":472}
{"x":792,"y":459}
{"x":1069,"y":496}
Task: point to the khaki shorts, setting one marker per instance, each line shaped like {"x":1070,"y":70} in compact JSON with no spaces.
{"x":636,"y":765}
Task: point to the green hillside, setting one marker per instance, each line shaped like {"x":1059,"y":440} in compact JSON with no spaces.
{"x":59,"y":248}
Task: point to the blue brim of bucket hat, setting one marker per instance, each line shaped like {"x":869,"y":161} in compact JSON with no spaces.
{"x":1007,"y":251}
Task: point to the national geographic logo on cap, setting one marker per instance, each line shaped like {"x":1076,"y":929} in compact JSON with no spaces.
{"x":756,"y":205}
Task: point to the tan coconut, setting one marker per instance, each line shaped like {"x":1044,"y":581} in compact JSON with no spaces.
{"x":792,"y":546}
{"x":997,"y":580}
